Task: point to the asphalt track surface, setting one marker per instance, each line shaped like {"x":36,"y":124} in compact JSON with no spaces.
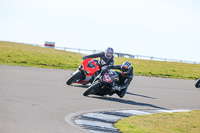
{"x":37,"y":100}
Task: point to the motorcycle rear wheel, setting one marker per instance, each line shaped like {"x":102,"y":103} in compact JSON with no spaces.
{"x":74,"y":77}
{"x":197,"y":85}
{"x":92,"y":89}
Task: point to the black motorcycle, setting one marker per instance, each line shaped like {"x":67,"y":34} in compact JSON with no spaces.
{"x":197,"y":85}
{"x":103,"y":84}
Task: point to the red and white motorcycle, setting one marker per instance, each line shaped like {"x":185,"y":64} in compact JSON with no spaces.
{"x":85,"y":73}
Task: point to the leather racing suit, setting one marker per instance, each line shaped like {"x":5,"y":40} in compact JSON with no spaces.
{"x":124,"y":78}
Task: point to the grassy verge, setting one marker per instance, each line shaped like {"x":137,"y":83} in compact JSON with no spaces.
{"x":182,"y":122}
{"x":27,"y":55}
{"x":32,"y":56}
{"x":164,"y":69}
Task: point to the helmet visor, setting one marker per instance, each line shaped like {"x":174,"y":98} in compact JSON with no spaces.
{"x":108,"y":54}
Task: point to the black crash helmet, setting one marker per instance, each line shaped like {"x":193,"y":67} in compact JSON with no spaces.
{"x":126,"y":67}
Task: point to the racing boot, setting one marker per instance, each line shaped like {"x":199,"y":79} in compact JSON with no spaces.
{"x":121,"y":93}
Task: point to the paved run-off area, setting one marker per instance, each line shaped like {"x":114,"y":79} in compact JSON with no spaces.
{"x":37,"y":100}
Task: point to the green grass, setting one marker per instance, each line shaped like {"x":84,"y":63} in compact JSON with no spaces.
{"x":164,"y":69}
{"x":33,"y":56}
{"x":179,"y":122}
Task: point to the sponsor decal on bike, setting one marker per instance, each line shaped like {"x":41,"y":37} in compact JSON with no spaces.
{"x":107,"y":78}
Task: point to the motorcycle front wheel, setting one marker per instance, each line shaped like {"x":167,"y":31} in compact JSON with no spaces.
{"x":74,"y":77}
{"x":92,"y":89}
{"x":197,"y":85}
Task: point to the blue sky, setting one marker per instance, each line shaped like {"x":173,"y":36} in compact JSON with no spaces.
{"x":166,"y":29}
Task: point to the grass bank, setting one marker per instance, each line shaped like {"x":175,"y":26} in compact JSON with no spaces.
{"x":179,"y":122}
{"x":33,"y":56}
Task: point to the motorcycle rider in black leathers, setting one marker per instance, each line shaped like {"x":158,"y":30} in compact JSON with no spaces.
{"x":125,"y":77}
{"x":106,"y":58}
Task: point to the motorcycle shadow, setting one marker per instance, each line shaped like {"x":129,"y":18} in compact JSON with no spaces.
{"x":80,"y":86}
{"x":125,"y":101}
{"x":140,"y":95}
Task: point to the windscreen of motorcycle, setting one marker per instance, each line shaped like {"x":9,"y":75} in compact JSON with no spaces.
{"x":111,"y":78}
{"x":113,"y":75}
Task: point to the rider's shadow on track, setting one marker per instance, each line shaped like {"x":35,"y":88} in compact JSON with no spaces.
{"x":80,"y":86}
{"x":140,"y":95}
{"x":125,"y":101}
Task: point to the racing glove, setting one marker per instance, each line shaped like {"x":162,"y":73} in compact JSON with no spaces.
{"x":104,"y":68}
{"x":84,"y":57}
{"x":117,"y":88}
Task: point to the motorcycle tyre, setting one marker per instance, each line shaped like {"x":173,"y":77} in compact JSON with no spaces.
{"x":74,"y":77}
{"x":91,"y":88}
{"x":197,"y":85}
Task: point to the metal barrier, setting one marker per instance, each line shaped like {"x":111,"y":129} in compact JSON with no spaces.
{"x":86,"y":52}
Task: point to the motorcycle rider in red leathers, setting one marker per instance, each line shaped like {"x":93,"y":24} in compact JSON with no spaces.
{"x":106,"y":58}
{"x":125,"y":77}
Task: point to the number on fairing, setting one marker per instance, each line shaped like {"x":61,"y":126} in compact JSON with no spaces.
{"x":107,"y":78}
